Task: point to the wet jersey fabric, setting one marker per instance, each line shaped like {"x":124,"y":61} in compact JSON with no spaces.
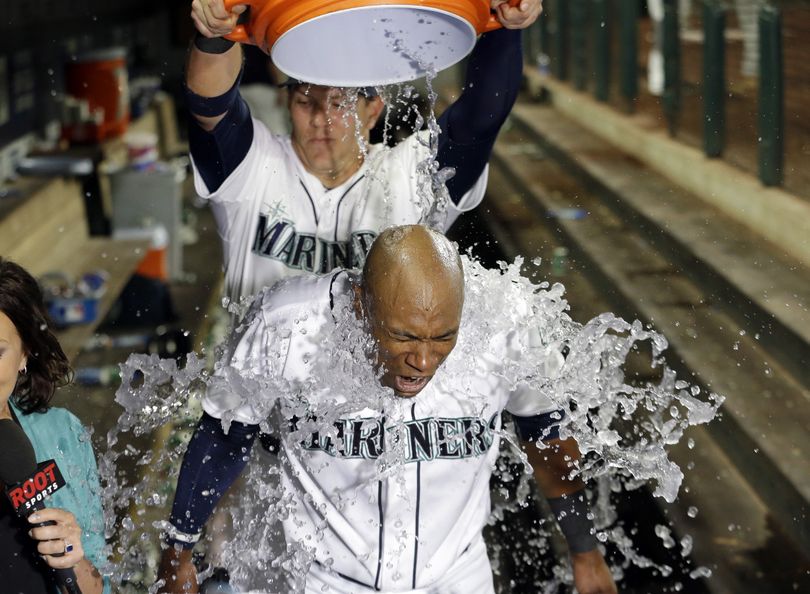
{"x":470,"y":574}
{"x":389,"y":497}
{"x":276,"y":219}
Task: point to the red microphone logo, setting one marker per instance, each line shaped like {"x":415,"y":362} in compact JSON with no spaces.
{"x":30,"y":494}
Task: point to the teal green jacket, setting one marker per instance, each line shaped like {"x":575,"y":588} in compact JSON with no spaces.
{"x":60,"y":436}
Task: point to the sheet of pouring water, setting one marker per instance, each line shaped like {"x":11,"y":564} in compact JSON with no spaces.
{"x":373,"y":46}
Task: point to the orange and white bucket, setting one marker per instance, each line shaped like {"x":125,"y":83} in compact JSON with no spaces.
{"x":357,"y":43}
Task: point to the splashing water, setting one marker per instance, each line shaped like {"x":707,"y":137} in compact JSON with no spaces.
{"x":432,"y":196}
{"x":431,"y":177}
{"x":623,"y":429}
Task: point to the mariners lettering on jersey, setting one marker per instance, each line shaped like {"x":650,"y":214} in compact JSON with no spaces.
{"x":428,"y":439}
{"x":279,"y":240}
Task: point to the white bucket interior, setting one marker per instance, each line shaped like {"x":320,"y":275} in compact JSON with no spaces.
{"x":373,"y":46}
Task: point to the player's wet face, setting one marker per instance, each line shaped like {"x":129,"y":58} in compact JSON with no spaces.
{"x":327,"y":127}
{"x":415,"y":332}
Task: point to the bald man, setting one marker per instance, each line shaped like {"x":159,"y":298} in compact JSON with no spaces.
{"x":388,"y":441}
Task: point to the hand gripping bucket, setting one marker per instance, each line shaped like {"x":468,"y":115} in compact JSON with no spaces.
{"x":358,"y":43}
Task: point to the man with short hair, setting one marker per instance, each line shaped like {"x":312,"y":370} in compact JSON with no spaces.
{"x":388,"y":441}
{"x":314,"y":200}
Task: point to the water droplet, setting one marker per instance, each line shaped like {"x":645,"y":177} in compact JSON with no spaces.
{"x":701,"y":572}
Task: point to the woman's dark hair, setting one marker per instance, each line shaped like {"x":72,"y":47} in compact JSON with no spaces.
{"x":47,"y":365}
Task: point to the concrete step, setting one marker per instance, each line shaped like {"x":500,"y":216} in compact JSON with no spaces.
{"x":757,"y":448}
{"x":781,"y":217}
{"x":764,"y":289}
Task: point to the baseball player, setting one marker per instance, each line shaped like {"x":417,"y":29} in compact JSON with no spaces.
{"x":386,"y":466}
{"x":314,"y":200}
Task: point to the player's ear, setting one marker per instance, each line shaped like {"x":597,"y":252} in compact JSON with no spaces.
{"x":374,"y":109}
{"x":287,"y":96}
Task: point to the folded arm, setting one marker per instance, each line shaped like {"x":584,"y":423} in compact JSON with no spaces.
{"x":220,"y":130}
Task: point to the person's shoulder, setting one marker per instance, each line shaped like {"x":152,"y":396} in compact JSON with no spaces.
{"x":265,"y":139}
{"x":265,"y":147}
{"x":57,"y":424}
{"x":414,"y":147}
{"x":284,"y":318}
{"x":301,"y":292}
{"x":56,"y":416}
{"x":63,"y":418}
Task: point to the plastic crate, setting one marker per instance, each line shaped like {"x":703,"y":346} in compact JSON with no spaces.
{"x":73,"y":311}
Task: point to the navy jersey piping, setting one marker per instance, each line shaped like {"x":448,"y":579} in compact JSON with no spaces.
{"x":344,"y":576}
{"x":358,"y":582}
{"x":337,"y":210}
{"x":311,"y":201}
{"x":418,"y":501}
{"x":380,"y":554}
{"x":332,"y":294}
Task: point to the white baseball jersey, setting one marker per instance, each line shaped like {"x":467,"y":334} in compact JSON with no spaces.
{"x":393,"y":493}
{"x":277,"y":220}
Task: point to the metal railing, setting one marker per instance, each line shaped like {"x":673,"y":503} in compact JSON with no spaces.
{"x":596,"y":46}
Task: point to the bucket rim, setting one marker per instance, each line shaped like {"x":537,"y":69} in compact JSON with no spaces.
{"x":336,"y":82}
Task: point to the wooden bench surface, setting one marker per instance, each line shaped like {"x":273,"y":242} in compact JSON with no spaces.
{"x":119,"y":259}
{"x":46,"y":231}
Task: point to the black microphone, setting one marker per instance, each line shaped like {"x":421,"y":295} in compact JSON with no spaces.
{"x":29,"y":484}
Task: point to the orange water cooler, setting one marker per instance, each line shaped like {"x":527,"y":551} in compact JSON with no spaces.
{"x":99,"y":77}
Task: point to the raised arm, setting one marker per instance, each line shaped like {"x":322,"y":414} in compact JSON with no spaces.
{"x":221,"y":130}
{"x":214,"y":63}
{"x":566,"y":496}
{"x":211,"y":464}
{"x":494,"y":73}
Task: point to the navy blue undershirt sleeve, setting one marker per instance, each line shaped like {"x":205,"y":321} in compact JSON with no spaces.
{"x":471,"y":125}
{"x":211,"y":464}
{"x":219,"y":152}
{"x":544,"y":427}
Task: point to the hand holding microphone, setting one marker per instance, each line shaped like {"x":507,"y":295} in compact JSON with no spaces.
{"x":27,"y":486}
{"x":59,"y":537}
